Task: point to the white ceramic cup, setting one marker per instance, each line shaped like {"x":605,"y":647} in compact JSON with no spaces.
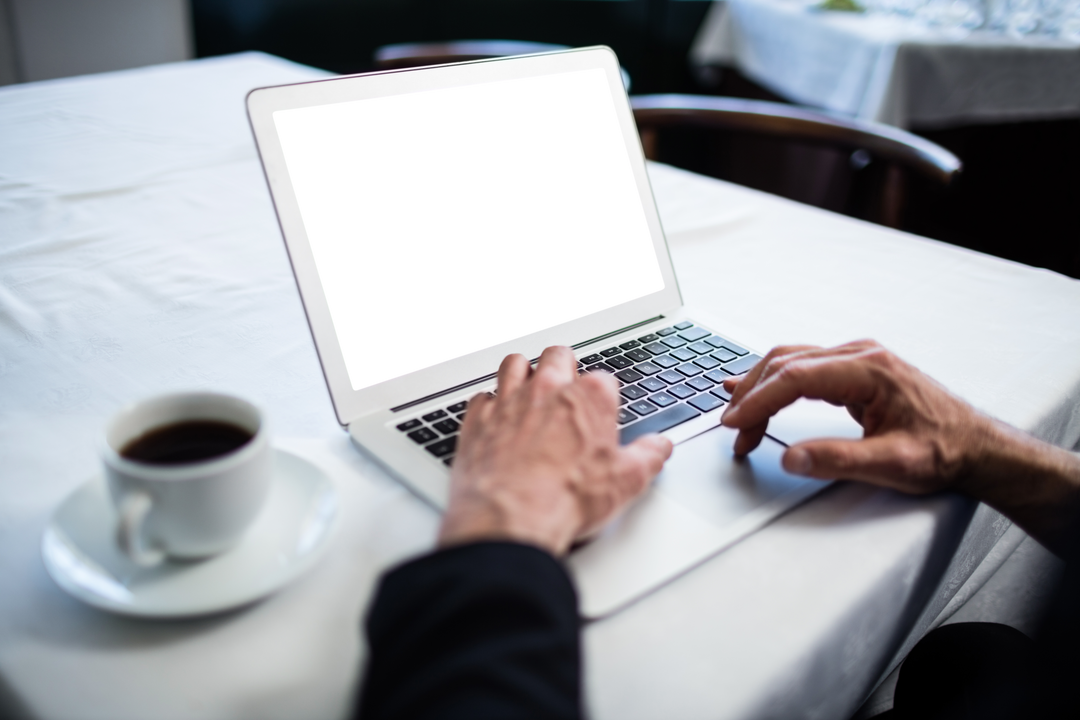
{"x":186,"y":510}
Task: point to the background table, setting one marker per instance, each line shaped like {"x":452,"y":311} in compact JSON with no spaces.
{"x":139,"y":253}
{"x":888,"y":68}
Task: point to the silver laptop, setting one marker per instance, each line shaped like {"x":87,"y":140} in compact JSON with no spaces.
{"x":438,"y":219}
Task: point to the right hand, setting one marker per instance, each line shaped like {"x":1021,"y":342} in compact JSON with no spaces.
{"x":917,"y":437}
{"x":541,"y":462}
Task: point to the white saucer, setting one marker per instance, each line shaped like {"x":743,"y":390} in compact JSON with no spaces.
{"x":292,"y":531}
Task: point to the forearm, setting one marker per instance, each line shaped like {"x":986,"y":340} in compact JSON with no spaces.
{"x":1033,"y":483}
{"x":488,"y":630}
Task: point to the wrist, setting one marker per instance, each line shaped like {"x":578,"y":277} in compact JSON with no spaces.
{"x":1034,"y":484}
{"x":476,"y":520}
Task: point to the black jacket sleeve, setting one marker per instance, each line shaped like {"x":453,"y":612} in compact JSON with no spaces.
{"x":487,"y":630}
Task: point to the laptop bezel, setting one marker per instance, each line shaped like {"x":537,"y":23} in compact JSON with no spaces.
{"x":350,"y":404}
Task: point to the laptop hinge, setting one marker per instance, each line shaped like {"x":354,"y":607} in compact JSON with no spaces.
{"x":491,"y":376}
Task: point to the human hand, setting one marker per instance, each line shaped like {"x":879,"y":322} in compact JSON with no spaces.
{"x":541,"y":462}
{"x":917,"y":437}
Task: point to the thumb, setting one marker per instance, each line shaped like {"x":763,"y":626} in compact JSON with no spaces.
{"x":643,"y":459}
{"x":888,"y":460}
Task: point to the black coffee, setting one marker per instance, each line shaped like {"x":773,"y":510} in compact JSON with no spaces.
{"x":186,"y":442}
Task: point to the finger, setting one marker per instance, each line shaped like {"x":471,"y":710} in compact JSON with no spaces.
{"x":601,"y":385}
{"x":760,"y":372}
{"x":513,"y":372}
{"x":639,"y":463}
{"x":893,"y":461}
{"x":650,"y":452}
{"x":557,"y":366}
{"x":843,"y":379}
{"x":479,"y":408}
{"x":748,"y":380}
{"x":748,"y":439}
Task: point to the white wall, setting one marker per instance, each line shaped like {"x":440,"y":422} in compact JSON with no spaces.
{"x":57,"y":38}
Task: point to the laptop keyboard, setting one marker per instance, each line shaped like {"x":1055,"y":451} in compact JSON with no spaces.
{"x":665,"y":378}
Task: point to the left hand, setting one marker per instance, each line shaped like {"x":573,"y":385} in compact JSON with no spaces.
{"x":541,"y":463}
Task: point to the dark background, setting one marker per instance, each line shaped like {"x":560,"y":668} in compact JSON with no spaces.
{"x":1017,"y":197}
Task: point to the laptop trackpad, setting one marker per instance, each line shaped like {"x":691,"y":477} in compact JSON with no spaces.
{"x":705,"y":500}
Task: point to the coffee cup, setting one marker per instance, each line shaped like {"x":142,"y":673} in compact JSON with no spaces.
{"x":187,"y":473}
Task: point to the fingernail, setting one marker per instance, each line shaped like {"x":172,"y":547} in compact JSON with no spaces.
{"x":729,"y":413}
{"x":797,"y":461}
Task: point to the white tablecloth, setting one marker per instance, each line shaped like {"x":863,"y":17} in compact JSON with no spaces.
{"x":139,"y":253}
{"x":890,"y":69}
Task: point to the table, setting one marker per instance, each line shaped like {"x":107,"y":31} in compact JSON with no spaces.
{"x":891,"y":69}
{"x":139,"y":253}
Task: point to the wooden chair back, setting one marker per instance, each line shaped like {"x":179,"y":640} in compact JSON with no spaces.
{"x":890,"y":151}
{"x":406,"y":55}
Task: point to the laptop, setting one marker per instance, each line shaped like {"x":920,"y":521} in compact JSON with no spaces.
{"x":438,"y":219}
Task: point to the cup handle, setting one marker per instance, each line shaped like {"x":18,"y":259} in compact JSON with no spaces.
{"x":134,"y":508}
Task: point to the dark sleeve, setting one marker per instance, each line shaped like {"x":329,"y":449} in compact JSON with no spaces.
{"x":487,"y":630}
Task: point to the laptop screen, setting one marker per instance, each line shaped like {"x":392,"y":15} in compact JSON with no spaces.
{"x":449,"y":221}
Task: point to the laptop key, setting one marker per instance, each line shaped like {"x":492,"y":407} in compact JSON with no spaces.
{"x":706,"y":402}
{"x":714,"y":341}
{"x":422,"y":435}
{"x":409,"y":425}
{"x":737,"y":349}
{"x":650,"y":338}
{"x":665,"y":361}
{"x":652,"y":384}
{"x":721,"y":393}
{"x":700,"y":384}
{"x":647,"y":368}
{"x":590,"y":359}
{"x":619,"y":362}
{"x":604,"y":367}
{"x":684,"y":325}
{"x":643,"y":408}
{"x":629,"y":376}
{"x":674,"y":341}
{"x":741,"y":365}
{"x":610,"y":351}
{"x":662,"y":399}
{"x":724,"y":355}
{"x":459,"y":407}
{"x":694,"y":334}
{"x":707,"y":362}
{"x":717,"y":376}
{"x":447,"y":426}
{"x":444,"y":447}
{"x":689,"y":370}
{"x":681,"y":391}
{"x":448,"y":461}
{"x":630,"y":345}
{"x":702,"y":348}
{"x":437,"y":415}
{"x":657,"y":348}
{"x":638,"y":355}
{"x":671,"y":377}
{"x":666,"y":331}
{"x":658,"y":422}
{"x":683,"y":354}
{"x":633,"y":392}
{"x":626,"y":416}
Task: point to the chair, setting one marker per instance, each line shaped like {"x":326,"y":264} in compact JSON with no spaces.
{"x":407,"y":55}
{"x":723,"y":137}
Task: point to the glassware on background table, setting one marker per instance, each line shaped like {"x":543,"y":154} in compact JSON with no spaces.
{"x":1069,"y":27}
{"x":1022,"y":17}
{"x":955,"y":17}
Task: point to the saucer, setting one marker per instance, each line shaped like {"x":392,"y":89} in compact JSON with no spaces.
{"x":289,"y":535}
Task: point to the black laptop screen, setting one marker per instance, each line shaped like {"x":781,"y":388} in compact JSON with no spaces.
{"x":450,"y":221}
